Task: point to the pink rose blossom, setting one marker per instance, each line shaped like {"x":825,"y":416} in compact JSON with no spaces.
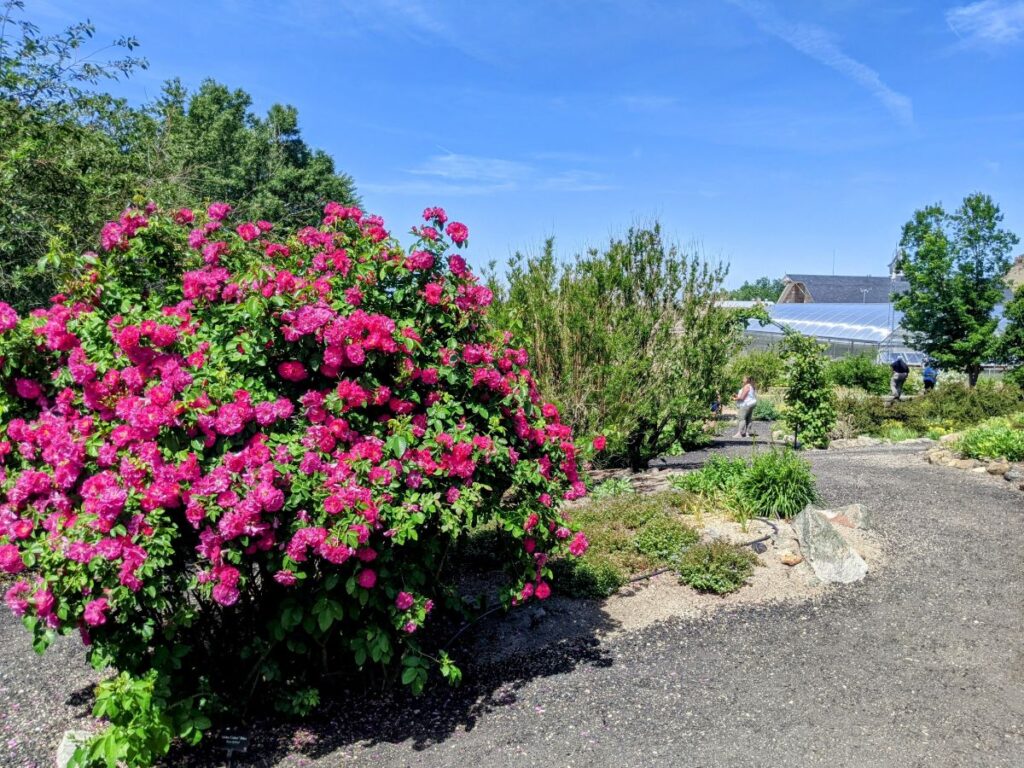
{"x":285,"y":578}
{"x":599,"y":442}
{"x":458,"y":232}
{"x":96,"y":612}
{"x":367,"y":578}
{"x":292,"y":371}
{"x":579,"y":545}
{"x":10,"y":559}
{"x":404,"y":601}
{"x":218,"y":211}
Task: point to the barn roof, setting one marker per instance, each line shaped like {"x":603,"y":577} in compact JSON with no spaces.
{"x":841,"y":289}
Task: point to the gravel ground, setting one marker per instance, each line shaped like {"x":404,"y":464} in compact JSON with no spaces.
{"x":921,"y":664}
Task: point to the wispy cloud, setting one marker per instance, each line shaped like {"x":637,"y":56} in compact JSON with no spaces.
{"x":818,"y":44}
{"x":646,"y":102}
{"x":576,"y":181}
{"x":989,"y":23}
{"x":487,"y":170}
{"x":457,"y":174}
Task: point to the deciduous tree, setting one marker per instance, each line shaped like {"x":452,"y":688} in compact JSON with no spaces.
{"x":954,"y":265}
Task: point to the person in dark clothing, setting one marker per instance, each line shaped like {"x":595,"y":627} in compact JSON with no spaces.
{"x":930,"y":375}
{"x":900,"y":371}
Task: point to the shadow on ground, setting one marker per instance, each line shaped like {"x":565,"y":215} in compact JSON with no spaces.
{"x":499,"y":656}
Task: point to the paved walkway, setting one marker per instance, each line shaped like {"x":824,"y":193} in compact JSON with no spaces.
{"x":921,"y":664}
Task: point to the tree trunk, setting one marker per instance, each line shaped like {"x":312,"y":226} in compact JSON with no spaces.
{"x":972,"y":376}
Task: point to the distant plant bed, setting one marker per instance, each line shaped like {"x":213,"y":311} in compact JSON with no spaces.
{"x":1001,"y":437}
{"x":717,"y":567}
{"x":776,"y":483}
{"x":951,"y":407}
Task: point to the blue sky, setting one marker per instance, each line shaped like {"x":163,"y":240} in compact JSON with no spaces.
{"x":768,"y":134}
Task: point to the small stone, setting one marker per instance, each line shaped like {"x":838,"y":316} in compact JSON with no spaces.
{"x":71,"y":741}
{"x":963,"y":464}
{"x":950,"y":438}
{"x":998,"y":467}
{"x":1012,"y":474}
{"x":791,"y":558}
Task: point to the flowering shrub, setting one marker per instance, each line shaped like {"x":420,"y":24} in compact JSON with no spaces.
{"x":234,"y":459}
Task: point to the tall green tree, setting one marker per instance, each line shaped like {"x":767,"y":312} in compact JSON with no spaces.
{"x":954,"y":266}
{"x":66,"y":157}
{"x":209,"y":145}
{"x":1011,"y":343}
{"x":762,"y":289}
{"x":72,"y":157}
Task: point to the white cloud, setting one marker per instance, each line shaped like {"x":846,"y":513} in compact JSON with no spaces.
{"x":490,"y":170}
{"x":576,"y":181}
{"x":988,"y":23}
{"x":817,"y":44}
{"x":457,"y":174}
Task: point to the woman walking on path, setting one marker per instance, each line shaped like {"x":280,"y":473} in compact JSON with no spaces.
{"x":746,"y":399}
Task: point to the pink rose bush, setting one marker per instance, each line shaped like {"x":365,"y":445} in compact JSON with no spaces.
{"x":235,"y":458}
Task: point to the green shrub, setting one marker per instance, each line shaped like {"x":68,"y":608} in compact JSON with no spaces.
{"x":717,"y":567}
{"x":591,"y":576}
{"x":616,"y":486}
{"x":628,"y":340}
{"x":810,"y":398}
{"x":765,"y":410}
{"x":719,"y":474}
{"x":778,"y":483}
{"x":765,"y":366}
{"x":663,"y":538}
{"x":860,"y":371}
{"x":1000,"y":437}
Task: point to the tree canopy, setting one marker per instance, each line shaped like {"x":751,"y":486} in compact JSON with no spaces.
{"x":764,"y":288}
{"x":71,"y":155}
{"x":954,"y":265}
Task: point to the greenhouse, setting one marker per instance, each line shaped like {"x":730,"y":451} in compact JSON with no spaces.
{"x":848,"y":329}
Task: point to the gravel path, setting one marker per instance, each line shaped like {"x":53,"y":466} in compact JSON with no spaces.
{"x":919,"y":665}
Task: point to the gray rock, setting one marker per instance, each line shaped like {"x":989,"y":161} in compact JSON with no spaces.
{"x":71,"y":741}
{"x":854,"y":514}
{"x":831,"y":558}
{"x":1012,"y":474}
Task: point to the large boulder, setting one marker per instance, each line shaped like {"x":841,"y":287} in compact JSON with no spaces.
{"x":852,"y":516}
{"x":831,"y":558}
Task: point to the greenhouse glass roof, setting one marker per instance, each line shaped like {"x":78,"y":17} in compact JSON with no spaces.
{"x":872,"y":323}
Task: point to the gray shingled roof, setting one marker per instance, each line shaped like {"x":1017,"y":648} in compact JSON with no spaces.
{"x":847,"y":289}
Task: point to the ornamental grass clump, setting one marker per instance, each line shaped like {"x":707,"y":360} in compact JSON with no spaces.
{"x":234,"y":460}
{"x":778,"y":484}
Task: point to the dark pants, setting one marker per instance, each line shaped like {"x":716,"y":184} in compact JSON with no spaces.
{"x":896,"y":385}
{"x":929,"y":385}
